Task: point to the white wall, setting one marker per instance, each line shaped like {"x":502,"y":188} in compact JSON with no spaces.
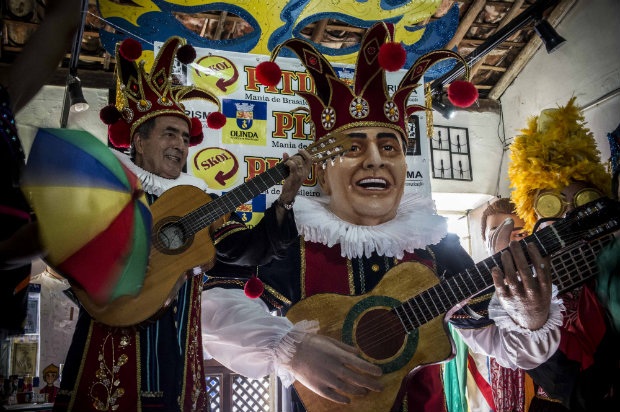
{"x":486,"y":151}
{"x":586,"y":66}
{"x":45,"y":109}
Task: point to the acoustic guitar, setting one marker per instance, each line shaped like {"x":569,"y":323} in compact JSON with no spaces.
{"x":402,"y":323}
{"x":180,"y":247}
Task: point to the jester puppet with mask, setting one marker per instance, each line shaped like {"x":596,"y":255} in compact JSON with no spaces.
{"x":158,"y":366}
{"x":359,"y":239}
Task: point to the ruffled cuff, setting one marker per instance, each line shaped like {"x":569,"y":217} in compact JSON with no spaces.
{"x":287,"y":347}
{"x":503,"y":321}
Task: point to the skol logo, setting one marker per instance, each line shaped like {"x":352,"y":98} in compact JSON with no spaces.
{"x":216,"y":74}
{"x":216,"y":166}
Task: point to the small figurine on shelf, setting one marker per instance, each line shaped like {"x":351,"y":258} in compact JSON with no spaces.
{"x":13,"y":384}
{"x":50,"y":374}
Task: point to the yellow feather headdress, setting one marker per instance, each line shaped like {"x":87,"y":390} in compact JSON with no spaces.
{"x":554,"y":150}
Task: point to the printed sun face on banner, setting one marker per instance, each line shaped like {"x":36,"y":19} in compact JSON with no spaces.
{"x":246,"y":122}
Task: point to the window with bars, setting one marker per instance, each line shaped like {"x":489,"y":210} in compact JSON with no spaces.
{"x":450,"y":153}
{"x":231,"y":392}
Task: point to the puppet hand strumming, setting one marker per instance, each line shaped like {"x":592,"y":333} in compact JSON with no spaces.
{"x":526,"y":296}
{"x":332,"y":369}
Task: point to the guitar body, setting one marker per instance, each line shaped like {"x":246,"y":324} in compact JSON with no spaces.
{"x":366,"y":323}
{"x":168,"y":268}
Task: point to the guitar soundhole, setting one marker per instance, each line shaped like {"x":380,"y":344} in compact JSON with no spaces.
{"x":379,"y":334}
{"x":171,"y":236}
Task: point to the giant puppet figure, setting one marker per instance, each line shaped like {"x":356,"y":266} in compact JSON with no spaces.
{"x":351,"y":243}
{"x":555,"y":166}
{"x":158,"y":367}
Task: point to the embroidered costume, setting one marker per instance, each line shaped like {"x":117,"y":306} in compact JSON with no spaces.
{"x":159,"y":367}
{"x":250,"y":341}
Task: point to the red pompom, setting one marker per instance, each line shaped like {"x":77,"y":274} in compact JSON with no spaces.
{"x":186,"y":54}
{"x":118,"y":133}
{"x":268,"y":73}
{"x":216,"y":120}
{"x":109,"y":114}
{"x":392,"y":56}
{"x":253,"y":287}
{"x":462,"y":93}
{"x":196,"y":132}
{"x":130,"y":49}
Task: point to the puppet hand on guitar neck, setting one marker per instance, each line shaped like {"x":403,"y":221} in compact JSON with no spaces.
{"x":333,"y":369}
{"x":524,"y":295}
{"x":299,"y":168}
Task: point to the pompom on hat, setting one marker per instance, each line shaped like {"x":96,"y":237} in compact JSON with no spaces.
{"x":335,"y":106}
{"x":144,"y":96}
{"x":555,"y":150}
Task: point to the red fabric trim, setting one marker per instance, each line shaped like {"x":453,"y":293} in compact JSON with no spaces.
{"x":91,"y":385}
{"x":7,"y":210}
{"x":326,"y":270}
{"x":98,"y":264}
{"x":483,"y":385}
{"x":425,"y":391}
{"x":584,"y":329}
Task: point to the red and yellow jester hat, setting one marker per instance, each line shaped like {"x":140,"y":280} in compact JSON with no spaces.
{"x":148,"y":95}
{"x":335,"y":106}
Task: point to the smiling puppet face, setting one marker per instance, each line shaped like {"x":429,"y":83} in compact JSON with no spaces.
{"x":366,"y":187}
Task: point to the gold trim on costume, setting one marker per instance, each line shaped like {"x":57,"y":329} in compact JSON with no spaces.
{"x":278,"y":295}
{"x":350,"y":274}
{"x":480,"y":298}
{"x":225,"y":235}
{"x":302,"y":250}
{"x":139,"y":370}
{"x":79,"y":375}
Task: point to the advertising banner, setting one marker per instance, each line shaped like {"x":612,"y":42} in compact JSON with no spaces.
{"x":265,"y":122}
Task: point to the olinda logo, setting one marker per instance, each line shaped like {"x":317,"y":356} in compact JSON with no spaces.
{"x":216,"y":166}
{"x":216,"y":74}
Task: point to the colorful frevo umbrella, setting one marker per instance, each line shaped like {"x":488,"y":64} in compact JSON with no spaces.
{"x":94,"y":220}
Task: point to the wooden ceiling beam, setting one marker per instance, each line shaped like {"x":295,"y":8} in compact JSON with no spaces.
{"x":319,"y":30}
{"x":472,"y":13}
{"x":477,"y":42}
{"x":554,"y":18}
{"x":510,"y":14}
{"x":220,"y":26}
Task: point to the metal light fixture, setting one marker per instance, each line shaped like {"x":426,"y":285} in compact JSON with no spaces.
{"x":548,"y":35}
{"x":76,"y":97}
{"x":446,"y":111}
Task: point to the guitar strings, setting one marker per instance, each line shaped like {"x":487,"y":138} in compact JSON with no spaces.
{"x":582,"y":267}
{"x":429,"y":315}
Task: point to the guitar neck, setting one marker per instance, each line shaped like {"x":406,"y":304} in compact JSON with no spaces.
{"x":202,"y":217}
{"x":571,"y":267}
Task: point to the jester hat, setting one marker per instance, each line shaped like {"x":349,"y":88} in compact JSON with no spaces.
{"x":335,"y":106}
{"x":144,"y":96}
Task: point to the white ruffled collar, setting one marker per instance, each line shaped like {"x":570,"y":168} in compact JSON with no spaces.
{"x":415,"y":226}
{"x":156,"y":185}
